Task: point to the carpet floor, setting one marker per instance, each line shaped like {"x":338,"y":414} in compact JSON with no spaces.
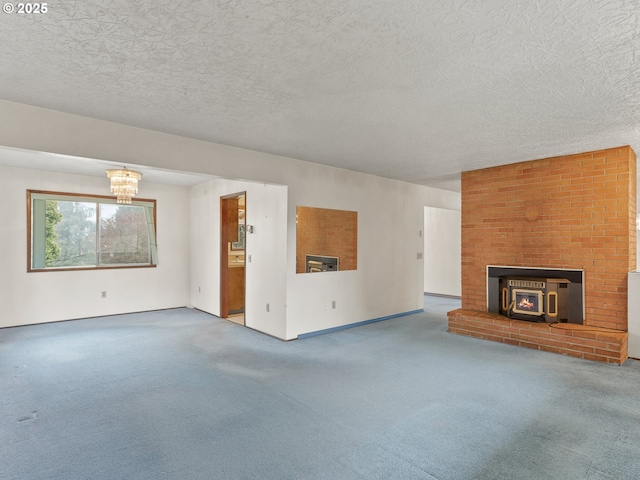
{"x":179,"y":394}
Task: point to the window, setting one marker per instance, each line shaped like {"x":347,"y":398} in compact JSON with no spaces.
{"x":70,"y":231}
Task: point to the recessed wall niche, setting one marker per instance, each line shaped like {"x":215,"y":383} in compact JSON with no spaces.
{"x":326,"y":240}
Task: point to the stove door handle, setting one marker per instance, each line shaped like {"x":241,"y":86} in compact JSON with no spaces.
{"x":552,"y":311}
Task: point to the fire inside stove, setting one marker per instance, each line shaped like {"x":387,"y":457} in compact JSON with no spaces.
{"x":528,"y":302}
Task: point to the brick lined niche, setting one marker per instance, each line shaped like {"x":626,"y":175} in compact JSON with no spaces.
{"x":327,"y":232}
{"x":569,"y":212}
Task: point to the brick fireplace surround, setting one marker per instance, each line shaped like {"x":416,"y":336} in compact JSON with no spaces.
{"x":570,"y":212}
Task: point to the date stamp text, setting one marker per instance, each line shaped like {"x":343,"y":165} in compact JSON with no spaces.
{"x":25,"y":8}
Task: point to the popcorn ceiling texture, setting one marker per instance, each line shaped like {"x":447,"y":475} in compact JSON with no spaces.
{"x":413,"y":90}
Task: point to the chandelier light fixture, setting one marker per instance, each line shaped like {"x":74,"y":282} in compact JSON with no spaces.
{"x":124,"y":183}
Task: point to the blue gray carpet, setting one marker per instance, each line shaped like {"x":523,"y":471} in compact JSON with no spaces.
{"x":179,"y":394}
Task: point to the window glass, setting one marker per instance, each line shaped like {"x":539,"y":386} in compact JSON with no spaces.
{"x":71,"y":242}
{"x":124,"y":237}
{"x":73,"y":231}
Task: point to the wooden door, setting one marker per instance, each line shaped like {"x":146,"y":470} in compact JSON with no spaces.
{"x":232,"y":269}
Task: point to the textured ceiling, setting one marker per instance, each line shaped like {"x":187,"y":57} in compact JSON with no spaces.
{"x":412,"y":89}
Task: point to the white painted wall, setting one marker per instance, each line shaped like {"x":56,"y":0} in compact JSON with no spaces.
{"x":266,"y":211}
{"x":442,"y":251}
{"x":38,"y":297}
{"x":389,"y":279}
{"x":634,"y":314}
{"x":633,"y":296}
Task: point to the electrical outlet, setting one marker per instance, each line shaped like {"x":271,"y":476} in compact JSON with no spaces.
{"x":268,"y":307}
{"x":104,"y":294}
{"x":333,"y":304}
{"x":249,"y":258}
{"x":419,"y":255}
{"x":199,"y":290}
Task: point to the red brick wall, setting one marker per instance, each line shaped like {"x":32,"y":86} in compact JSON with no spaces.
{"x":321,"y":231}
{"x":575,"y":211}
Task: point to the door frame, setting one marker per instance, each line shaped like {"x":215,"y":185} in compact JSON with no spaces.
{"x":227,"y":227}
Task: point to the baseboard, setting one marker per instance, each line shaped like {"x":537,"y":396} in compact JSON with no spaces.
{"x":443,"y":295}
{"x":94,"y":316}
{"x":357,"y":324}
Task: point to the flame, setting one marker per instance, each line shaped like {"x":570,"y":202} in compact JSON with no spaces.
{"x":525,"y":303}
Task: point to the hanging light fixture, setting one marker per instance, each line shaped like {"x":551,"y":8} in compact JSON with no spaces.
{"x":124,"y":183}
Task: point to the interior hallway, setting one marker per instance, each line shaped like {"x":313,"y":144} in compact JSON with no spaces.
{"x":182,"y":394}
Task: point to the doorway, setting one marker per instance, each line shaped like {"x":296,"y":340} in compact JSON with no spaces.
{"x":232,"y":257}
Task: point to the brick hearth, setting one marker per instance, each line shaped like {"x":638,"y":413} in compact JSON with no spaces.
{"x":590,"y":343}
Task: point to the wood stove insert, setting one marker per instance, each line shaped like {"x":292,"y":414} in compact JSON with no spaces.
{"x":536,"y":294}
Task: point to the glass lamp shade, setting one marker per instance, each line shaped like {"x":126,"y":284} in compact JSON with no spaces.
{"x":124,"y":184}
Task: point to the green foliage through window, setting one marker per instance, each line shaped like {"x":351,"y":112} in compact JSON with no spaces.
{"x":53,"y":217}
{"x":75,"y":234}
